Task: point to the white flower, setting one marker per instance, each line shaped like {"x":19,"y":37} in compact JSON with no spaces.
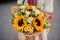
{"x":16,"y":14}
{"x":18,"y":2}
{"x":27,"y":13}
{"x":22,"y":7}
{"x":37,"y":12}
{"x":29,"y":20}
{"x":34,"y":8}
{"x":22,"y":10}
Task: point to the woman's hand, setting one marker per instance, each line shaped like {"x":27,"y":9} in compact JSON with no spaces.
{"x":30,"y":36}
{"x":49,"y":15}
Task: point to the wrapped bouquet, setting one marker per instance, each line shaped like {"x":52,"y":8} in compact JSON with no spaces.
{"x":30,"y":18}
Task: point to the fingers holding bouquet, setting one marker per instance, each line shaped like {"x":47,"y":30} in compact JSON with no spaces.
{"x":30,"y":36}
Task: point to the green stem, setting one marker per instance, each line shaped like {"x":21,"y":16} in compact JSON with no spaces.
{"x":23,"y":2}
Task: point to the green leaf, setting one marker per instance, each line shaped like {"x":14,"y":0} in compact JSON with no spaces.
{"x":32,"y":15}
{"x":23,"y":2}
{"x":45,"y":26}
{"x":12,"y":20}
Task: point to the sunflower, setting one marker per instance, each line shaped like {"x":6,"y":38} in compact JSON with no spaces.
{"x":38,"y":23}
{"x":19,"y":23}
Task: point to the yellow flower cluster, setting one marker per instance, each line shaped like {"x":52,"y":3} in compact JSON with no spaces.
{"x":28,"y":28}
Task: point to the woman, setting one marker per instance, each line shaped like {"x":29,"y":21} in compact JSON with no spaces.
{"x":47,"y":6}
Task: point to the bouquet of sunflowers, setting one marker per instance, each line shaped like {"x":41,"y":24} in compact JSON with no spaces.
{"x":30,"y":19}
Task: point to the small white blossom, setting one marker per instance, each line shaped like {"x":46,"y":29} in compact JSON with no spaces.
{"x":29,"y":20}
{"x":34,"y":8}
{"x":18,"y":2}
{"x":27,"y":13}
{"x":37,"y":12}
{"x":22,"y":7}
{"x":22,"y":10}
{"x":16,"y":14}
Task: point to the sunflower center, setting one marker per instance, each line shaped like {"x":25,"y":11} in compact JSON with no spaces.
{"x":38,"y":22}
{"x":20,"y":22}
